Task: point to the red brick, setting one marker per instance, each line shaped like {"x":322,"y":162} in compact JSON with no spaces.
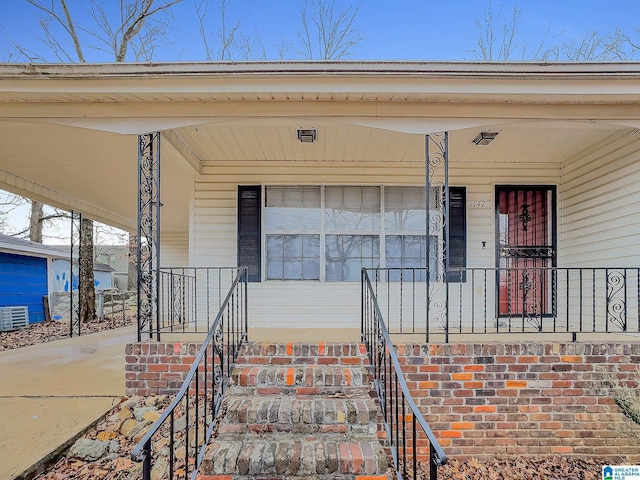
{"x":571,"y":359}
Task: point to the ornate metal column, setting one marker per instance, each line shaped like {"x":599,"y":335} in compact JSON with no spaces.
{"x":148,"y":234}
{"x":74,"y":275}
{"x":437,"y":193}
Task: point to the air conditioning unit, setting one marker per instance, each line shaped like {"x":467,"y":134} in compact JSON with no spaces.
{"x":13,"y":318}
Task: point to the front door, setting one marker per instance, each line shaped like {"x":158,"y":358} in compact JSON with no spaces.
{"x":526,"y":250}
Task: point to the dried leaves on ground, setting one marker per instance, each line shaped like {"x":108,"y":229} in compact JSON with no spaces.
{"x":522,"y":468}
{"x":37,"y":333}
{"x":104,"y":452}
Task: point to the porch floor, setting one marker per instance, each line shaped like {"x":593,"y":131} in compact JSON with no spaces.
{"x":307,"y":335}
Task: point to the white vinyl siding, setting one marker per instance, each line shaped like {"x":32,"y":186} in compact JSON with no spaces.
{"x":601,"y":217}
{"x":336,"y":304}
{"x":174,"y":249}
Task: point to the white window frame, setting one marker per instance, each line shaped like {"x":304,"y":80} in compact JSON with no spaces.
{"x":381,"y":232}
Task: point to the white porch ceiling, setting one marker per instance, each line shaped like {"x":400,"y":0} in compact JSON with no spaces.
{"x":276,"y":140}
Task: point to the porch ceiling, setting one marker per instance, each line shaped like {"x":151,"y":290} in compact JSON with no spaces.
{"x":276,"y":139}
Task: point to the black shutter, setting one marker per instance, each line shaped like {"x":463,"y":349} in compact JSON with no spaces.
{"x":457,"y":234}
{"x":249,"y":233}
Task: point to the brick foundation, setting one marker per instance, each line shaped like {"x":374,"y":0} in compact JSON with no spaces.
{"x":489,"y":400}
{"x":157,"y":368}
{"x":484,"y":400}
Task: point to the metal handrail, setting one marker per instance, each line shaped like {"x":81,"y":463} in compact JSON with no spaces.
{"x":380,"y":349}
{"x":220,"y":350}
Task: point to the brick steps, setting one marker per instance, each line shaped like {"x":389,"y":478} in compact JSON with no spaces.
{"x":298,"y":411}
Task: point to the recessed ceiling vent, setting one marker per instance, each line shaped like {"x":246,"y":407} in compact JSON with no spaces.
{"x":307,"y":135}
{"x":484,"y":138}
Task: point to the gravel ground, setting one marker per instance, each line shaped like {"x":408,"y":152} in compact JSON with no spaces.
{"x":49,"y":331}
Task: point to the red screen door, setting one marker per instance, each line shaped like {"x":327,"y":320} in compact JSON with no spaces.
{"x":525,"y":223}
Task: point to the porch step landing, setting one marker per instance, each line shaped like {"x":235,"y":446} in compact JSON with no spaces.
{"x":298,"y":411}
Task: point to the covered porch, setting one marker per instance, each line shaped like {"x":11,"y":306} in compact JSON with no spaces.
{"x":535,"y":231}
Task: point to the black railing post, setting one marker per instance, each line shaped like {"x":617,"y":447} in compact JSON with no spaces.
{"x":146,"y":466}
{"x":433,"y":466}
{"x":148,"y":255}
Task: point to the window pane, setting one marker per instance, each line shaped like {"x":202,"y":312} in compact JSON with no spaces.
{"x":292,"y":269}
{"x":292,"y":246}
{"x":393,"y":248}
{"x":334,"y":271}
{"x":413,"y":246}
{"x":405,"y":209}
{"x":274,"y":246}
{"x":311,"y":269}
{"x":352,"y":209}
{"x":292,"y":208}
{"x":311,"y":245}
{"x":347,"y":254}
{"x":274,"y":269}
{"x":352,"y":269}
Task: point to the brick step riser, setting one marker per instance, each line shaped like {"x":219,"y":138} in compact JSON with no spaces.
{"x":286,"y":360}
{"x":297,"y":429}
{"x":302,"y":351}
{"x":302,"y":392}
{"x":263,"y":410}
{"x":299,"y":376}
{"x":290,"y":458}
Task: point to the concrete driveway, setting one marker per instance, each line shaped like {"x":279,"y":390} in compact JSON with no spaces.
{"x":51,"y":392}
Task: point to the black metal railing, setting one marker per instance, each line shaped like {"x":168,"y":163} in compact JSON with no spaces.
{"x":415,"y":450}
{"x":191,"y":293}
{"x":181,"y":433}
{"x":509,"y":300}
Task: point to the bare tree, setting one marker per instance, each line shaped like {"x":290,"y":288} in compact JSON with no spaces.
{"x":595,"y":46}
{"x":135,"y":30}
{"x":499,"y":38}
{"x":229,"y":42}
{"x":327,"y":32}
{"x":8,"y":204}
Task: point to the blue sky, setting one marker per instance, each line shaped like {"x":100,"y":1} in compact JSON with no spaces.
{"x":391,"y":30}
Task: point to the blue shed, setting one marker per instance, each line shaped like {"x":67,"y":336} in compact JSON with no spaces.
{"x":24,"y":279}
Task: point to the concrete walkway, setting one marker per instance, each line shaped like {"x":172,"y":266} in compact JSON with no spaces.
{"x":51,"y":392}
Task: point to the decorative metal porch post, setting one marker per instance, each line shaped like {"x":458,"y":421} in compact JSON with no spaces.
{"x":74,"y":272}
{"x":437,"y":230}
{"x":148,"y":255}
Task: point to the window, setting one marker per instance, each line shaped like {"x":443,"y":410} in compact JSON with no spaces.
{"x":292,"y":218}
{"x":293,"y":257}
{"x":330,"y":233}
